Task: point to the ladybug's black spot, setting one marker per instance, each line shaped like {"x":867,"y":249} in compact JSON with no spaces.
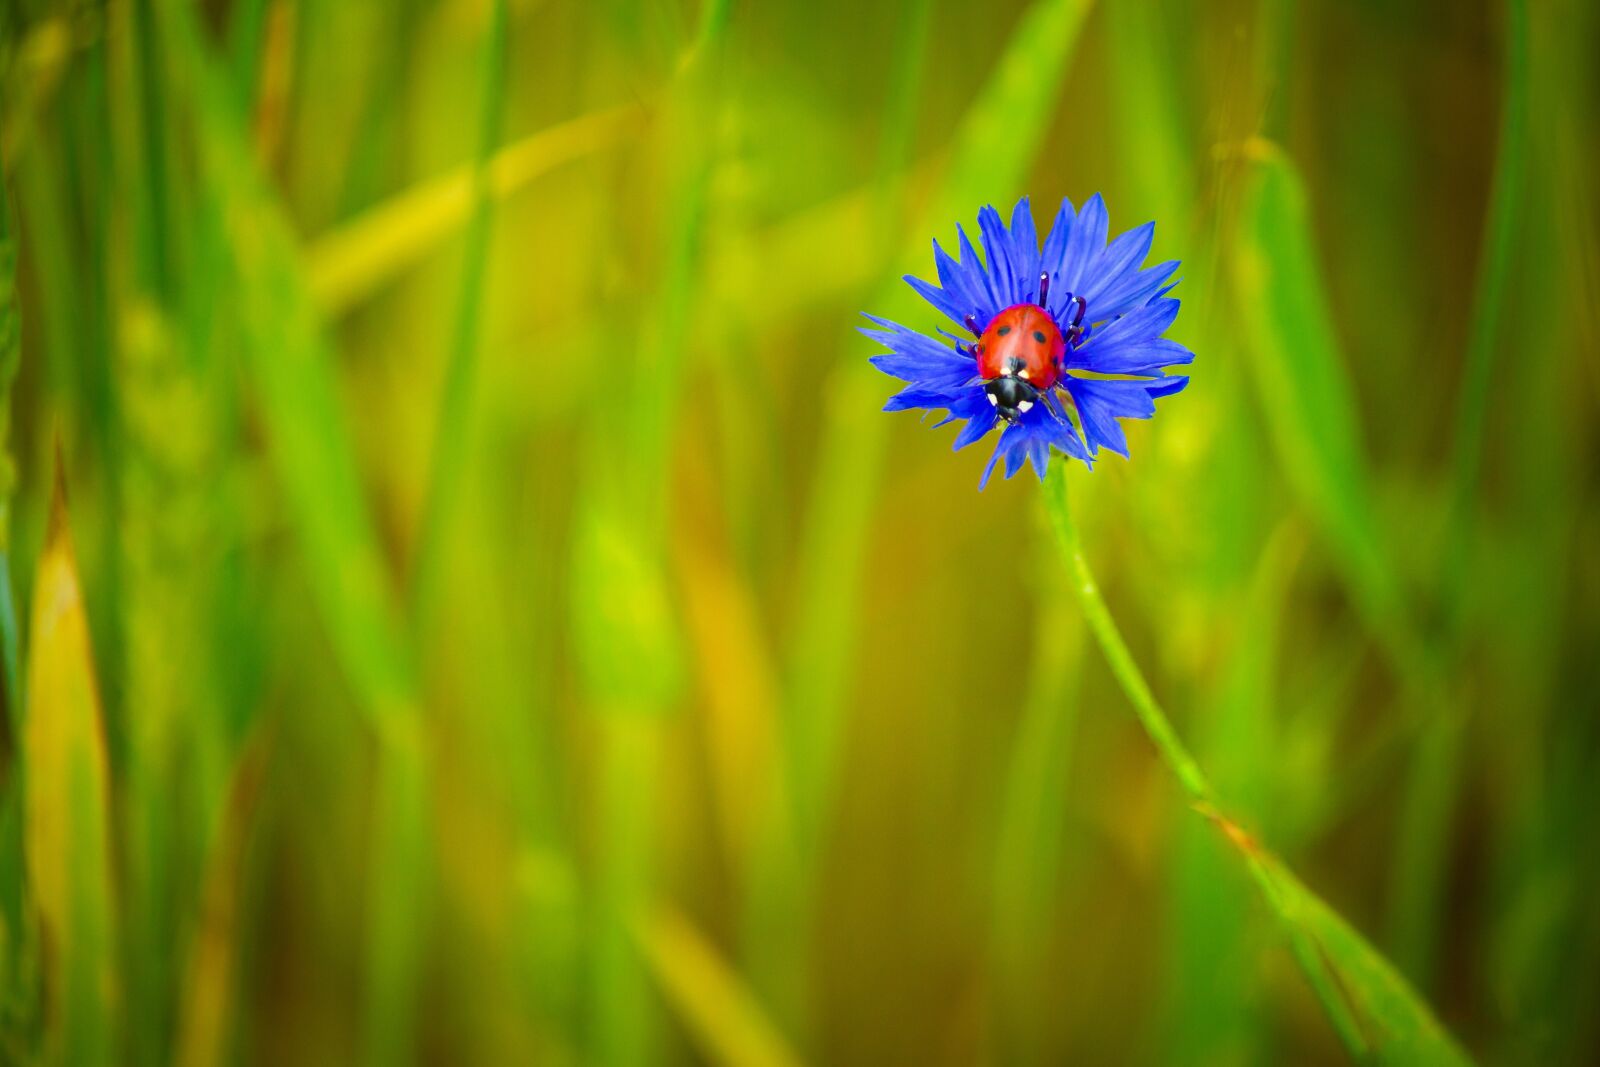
{"x":1002,"y":331}
{"x":1038,"y":335}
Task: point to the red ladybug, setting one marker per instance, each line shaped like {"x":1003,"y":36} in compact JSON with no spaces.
{"x":1019,"y":356}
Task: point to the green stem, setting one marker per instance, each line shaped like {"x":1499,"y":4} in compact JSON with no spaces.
{"x":1324,"y":982}
{"x":1105,"y":631}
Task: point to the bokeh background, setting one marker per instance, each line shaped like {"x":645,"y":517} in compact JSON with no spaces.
{"x":463,"y":604}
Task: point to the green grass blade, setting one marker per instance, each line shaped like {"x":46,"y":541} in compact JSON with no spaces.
{"x":1544,"y":948}
{"x":622,"y":611}
{"x":290,"y":363}
{"x":30,"y":76}
{"x":18,"y":947}
{"x":456,"y":414}
{"x":10,"y":361}
{"x":1304,"y":387}
{"x":397,"y":899}
{"x":177,"y":444}
{"x":629,"y":774}
{"x":1309,"y":405}
{"x":86,"y":161}
{"x":910,"y":62}
{"x":1215,"y":992}
{"x":246,"y":29}
{"x":1154,"y":144}
{"x":1416,"y":907}
{"x":1503,"y":224}
{"x":1382,"y":1013}
{"x":1029,"y":841}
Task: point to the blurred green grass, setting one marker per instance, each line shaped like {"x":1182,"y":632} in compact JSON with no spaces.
{"x":509,"y":632}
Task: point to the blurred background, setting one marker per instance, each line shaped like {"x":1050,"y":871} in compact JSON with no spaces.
{"x":463,"y":604}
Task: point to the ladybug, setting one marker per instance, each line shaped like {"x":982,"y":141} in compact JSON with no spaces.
{"x":1019,"y":357}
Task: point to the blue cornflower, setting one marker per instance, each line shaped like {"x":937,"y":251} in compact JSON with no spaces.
{"x":1079,"y":317}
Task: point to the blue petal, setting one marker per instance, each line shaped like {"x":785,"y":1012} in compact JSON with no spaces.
{"x":970,"y":402}
{"x":1016,"y":444}
{"x":1112,"y":268}
{"x":1025,"y":246}
{"x":978,"y":425}
{"x":942,"y":299}
{"x":917,"y":357}
{"x":1007,"y":440}
{"x":1055,"y":249}
{"x":1084,"y":246}
{"x":1063,"y":434}
{"x":1101,"y":403}
{"x":1135,"y":357}
{"x":1142,"y":324}
{"x":997,"y":250}
{"x":1166,"y":386}
{"x":967,"y":288}
{"x":1017,"y":453}
{"x":983,"y":285}
{"x":917,"y":396}
{"x":1133,"y":291}
{"x":1039,"y":453}
{"x":1031,"y":437}
{"x":964,"y":287}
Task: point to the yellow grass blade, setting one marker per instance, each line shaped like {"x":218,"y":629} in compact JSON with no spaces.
{"x":209,"y":978}
{"x":345,"y":267}
{"x":721,"y":1013}
{"x":65,"y":800}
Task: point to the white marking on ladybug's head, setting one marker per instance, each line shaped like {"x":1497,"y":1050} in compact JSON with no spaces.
{"x":1025,"y":407}
{"x":1023,"y":373}
{"x":994,"y":401}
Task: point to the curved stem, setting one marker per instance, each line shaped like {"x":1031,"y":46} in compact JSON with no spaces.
{"x":1105,"y":631}
{"x":1284,"y":900}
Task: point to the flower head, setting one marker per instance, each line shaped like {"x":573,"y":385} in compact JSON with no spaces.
{"x":1067,"y":338}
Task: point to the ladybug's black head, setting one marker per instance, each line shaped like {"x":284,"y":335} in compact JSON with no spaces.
{"x":1011,"y":397}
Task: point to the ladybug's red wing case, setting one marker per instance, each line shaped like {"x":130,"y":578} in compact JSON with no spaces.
{"x":1024,"y":341}
{"x":1019,"y":356}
